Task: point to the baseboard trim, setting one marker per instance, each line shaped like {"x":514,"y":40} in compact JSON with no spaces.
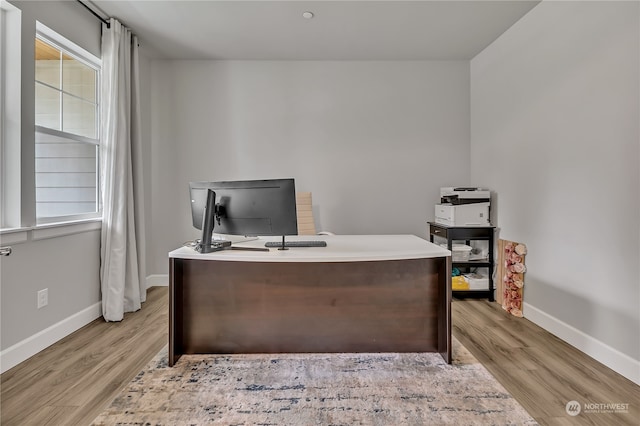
{"x":157,"y":280}
{"x":30,"y":346}
{"x":601,"y":352}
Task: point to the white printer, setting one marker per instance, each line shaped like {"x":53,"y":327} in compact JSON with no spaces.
{"x":463,"y":206}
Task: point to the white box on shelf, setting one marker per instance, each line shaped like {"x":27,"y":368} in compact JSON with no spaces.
{"x":477,"y":281}
{"x":476,"y":214}
{"x":479,"y":250}
{"x":459,"y":252}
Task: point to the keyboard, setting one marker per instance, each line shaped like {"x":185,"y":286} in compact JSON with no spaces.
{"x":299,"y":243}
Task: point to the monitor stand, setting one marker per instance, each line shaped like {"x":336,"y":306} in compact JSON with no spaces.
{"x":283,"y":246}
{"x":213,"y":246}
{"x":208,"y":217}
{"x":235,"y":239}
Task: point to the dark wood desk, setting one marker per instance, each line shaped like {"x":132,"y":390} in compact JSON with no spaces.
{"x":387,"y":293}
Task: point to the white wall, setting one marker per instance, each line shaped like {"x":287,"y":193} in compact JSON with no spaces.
{"x":373,"y":141}
{"x":68,"y":265}
{"x":48,"y":263}
{"x":555,"y":132}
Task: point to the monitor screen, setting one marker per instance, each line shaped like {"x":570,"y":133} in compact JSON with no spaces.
{"x":249,"y":208}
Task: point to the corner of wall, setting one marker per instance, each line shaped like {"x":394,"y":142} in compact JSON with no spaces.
{"x":157,"y":280}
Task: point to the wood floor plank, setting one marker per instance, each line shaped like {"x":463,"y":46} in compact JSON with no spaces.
{"x":72,"y":381}
{"x":541,"y":371}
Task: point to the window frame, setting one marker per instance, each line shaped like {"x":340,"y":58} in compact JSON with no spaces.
{"x":10,"y":116}
{"x":71,"y":49}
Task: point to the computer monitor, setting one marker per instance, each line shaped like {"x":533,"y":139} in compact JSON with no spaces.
{"x":247,"y":208}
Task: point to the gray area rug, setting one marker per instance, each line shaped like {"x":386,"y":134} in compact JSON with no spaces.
{"x":315,"y":389}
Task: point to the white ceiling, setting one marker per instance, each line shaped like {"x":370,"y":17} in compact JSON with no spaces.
{"x":340,"y":30}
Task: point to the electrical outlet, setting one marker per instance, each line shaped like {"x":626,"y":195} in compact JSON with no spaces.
{"x":43,"y":298}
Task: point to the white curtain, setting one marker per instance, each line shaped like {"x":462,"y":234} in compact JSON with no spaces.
{"x":122,"y":247}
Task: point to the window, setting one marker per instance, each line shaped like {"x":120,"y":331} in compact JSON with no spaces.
{"x":67,"y":140}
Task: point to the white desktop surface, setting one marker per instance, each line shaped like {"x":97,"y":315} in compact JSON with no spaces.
{"x":340,"y":248}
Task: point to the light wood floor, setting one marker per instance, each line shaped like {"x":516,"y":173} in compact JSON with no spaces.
{"x":71,"y":382}
{"x":541,"y":371}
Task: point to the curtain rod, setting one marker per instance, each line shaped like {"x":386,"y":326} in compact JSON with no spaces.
{"x":94,"y":13}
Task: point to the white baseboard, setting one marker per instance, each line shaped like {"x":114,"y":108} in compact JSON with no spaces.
{"x":30,"y":346}
{"x":612,"y":358}
{"x":157,"y":280}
